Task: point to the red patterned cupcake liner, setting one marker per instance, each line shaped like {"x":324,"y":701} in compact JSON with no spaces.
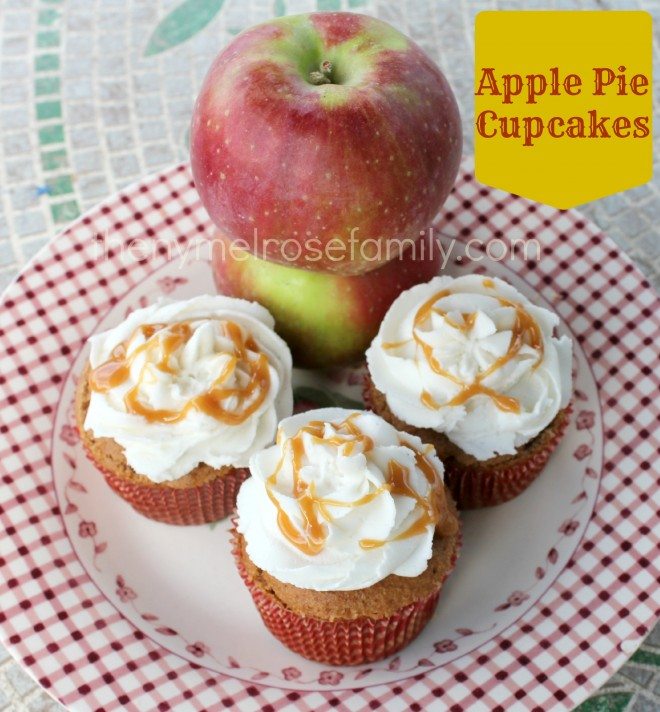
{"x":208,"y":502}
{"x":475,"y":486}
{"x":340,"y":642}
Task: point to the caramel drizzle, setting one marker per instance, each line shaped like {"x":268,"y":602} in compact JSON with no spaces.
{"x":161,"y":342}
{"x":313,"y":509}
{"x":525,"y":331}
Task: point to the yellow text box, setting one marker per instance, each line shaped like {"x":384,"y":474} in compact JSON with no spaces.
{"x":563,"y":103}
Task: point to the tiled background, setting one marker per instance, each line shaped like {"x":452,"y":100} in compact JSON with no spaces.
{"x":94,"y":94}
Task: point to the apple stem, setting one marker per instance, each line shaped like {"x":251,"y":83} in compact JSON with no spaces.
{"x":323,"y":75}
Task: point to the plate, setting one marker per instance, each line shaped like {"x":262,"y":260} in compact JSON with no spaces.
{"x":108,"y":609}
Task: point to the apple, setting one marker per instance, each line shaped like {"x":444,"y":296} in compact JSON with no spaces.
{"x":327,"y":319}
{"x":318,"y":138}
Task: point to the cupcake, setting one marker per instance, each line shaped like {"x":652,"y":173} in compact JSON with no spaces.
{"x":471,"y":366}
{"x":175,"y":400}
{"x":344,"y":535}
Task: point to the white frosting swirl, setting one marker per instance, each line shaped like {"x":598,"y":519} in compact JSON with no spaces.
{"x":166,"y":451}
{"x":355,"y":474}
{"x":469,"y":334}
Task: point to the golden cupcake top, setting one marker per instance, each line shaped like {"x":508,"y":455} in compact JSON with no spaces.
{"x":162,"y":347}
{"x":177,"y":384}
{"x":341,"y":501}
{"x":473,"y":358}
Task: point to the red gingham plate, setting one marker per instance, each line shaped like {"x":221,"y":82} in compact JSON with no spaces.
{"x":553,"y":591}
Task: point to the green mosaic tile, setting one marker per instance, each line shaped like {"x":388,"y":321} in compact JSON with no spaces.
{"x":51,"y":134}
{"x":357,"y":3}
{"x":328,"y":5}
{"x":612,"y":702}
{"x":646,"y":657}
{"x":60,"y":185}
{"x":53,"y":160}
{"x":179,"y":25}
{"x":46,"y":62}
{"x":48,"y":38}
{"x":49,"y":110}
{"x":65,"y":212}
{"x":46,"y":85}
{"x":48,"y":17}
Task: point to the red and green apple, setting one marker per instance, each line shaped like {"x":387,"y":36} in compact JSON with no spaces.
{"x":318,"y":138}
{"x":327,"y":319}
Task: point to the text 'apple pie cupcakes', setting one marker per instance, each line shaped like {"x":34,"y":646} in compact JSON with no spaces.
{"x":344,"y":536}
{"x":175,"y":400}
{"x":471,"y":366}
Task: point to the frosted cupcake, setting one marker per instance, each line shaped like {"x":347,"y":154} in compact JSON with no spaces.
{"x":345,"y":534}
{"x":471,"y":366}
{"x":175,"y":400}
